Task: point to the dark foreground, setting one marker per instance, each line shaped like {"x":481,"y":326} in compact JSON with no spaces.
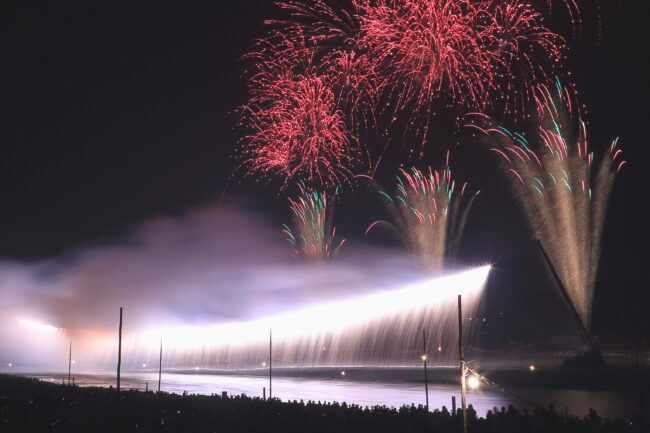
{"x":29,"y":405}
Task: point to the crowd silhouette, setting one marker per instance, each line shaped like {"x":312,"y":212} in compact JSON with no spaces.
{"x":31,"y":405}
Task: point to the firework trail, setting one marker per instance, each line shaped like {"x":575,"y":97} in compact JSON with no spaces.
{"x":562,"y":190}
{"x":429,"y":211}
{"x":313,"y":235}
{"x":467,"y":53}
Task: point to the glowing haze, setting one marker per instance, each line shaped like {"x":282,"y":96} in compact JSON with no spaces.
{"x":211,"y":283}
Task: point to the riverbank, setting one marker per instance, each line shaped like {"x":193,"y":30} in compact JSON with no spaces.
{"x":31,"y":405}
{"x":608,"y":378}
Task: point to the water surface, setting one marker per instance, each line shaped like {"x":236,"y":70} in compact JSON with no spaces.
{"x":609,"y":404}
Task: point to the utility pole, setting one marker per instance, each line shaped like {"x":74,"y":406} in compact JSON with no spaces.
{"x":119,"y":354}
{"x":70,"y":363}
{"x":270,"y":364}
{"x":463,"y":366}
{"x":424,"y":359}
{"x":160,"y":365}
{"x":639,"y":367}
{"x":584,"y":334}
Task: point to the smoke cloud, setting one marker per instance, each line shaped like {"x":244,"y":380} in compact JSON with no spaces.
{"x":213,"y":264}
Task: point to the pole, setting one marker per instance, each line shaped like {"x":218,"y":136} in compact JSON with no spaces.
{"x":119,"y":354}
{"x":70,"y":363}
{"x":463,"y":387}
{"x":424,"y":359}
{"x":584,"y":334}
{"x":270,"y":363}
{"x":160,"y":365}
{"x":640,"y":371}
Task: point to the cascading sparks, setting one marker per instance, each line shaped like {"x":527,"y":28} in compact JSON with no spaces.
{"x":563,"y":191}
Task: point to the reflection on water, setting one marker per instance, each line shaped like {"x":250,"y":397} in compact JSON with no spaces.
{"x":364,"y":393}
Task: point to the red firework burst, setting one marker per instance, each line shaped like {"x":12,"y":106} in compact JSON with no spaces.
{"x":326,"y":38}
{"x":309,"y":91}
{"x":298,"y":131}
{"x":465,"y":52}
{"x":322,"y":72}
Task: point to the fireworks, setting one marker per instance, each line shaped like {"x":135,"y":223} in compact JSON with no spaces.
{"x":313,"y":234}
{"x":324,"y":74}
{"x":525,"y":53}
{"x":429,"y":211}
{"x":328,"y":36}
{"x":563,"y":192}
{"x":467,"y":53}
{"x":362,"y":330}
{"x":298,"y":131}
{"x":310,"y":89}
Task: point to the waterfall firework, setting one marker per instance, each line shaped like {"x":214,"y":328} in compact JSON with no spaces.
{"x":429,"y":211}
{"x":563,"y":191}
{"x":379,"y":327}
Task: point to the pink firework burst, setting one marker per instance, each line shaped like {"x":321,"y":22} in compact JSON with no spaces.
{"x":309,"y":89}
{"x":298,"y":131}
{"x":463,"y":52}
{"x":326,"y":37}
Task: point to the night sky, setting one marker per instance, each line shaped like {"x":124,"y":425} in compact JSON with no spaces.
{"x":113,"y":115}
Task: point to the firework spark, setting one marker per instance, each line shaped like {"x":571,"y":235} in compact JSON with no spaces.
{"x":563,"y":192}
{"x":572,"y":7}
{"x":313,"y":234}
{"x":429,"y":212}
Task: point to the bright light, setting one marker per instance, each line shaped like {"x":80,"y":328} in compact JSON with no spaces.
{"x":196,"y":368}
{"x":11,"y":364}
{"x":531,"y":368}
{"x":343,"y":373}
{"x":73,"y":361}
{"x":38,"y":326}
{"x":144,"y":365}
{"x":439,"y":348}
{"x":473,"y":382}
{"x":318,"y":318}
{"x":424,"y":357}
{"x":264,"y":364}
